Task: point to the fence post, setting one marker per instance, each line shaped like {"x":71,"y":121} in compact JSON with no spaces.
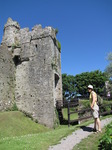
{"x":111,"y":108}
{"x":68,"y":113}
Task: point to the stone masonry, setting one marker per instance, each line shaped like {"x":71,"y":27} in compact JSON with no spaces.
{"x":30,"y":76}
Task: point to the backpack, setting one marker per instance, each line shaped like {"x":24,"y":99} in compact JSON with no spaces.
{"x":99,"y":100}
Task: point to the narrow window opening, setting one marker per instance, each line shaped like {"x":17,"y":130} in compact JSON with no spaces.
{"x":17,"y":60}
{"x":56,"y":80}
{"x":36,"y":47}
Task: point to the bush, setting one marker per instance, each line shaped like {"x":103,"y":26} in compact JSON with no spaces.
{"x":106,"y":106}
{"x":84,"y":104}
{"x":106,"y":140}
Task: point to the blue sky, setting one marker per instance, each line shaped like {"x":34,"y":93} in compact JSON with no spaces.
{"x":85,"y":28}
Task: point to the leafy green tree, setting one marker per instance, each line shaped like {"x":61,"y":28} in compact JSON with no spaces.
{"x":68,"y":84}
{"x":73,"y":85}
{"x":95,"y":78}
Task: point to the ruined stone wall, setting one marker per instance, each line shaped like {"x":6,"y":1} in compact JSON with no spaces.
{"x":7,"y":79}
{"x":34,"y":86}
{"x":38,"y":82}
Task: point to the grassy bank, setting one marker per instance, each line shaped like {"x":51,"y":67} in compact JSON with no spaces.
{"x":18,"y":132}
{"x":15,"y":123}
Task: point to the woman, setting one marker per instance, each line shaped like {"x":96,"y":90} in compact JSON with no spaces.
{"x":94,"y":108}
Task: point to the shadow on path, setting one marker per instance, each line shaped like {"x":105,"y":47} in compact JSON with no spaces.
{"x":89,"y":129}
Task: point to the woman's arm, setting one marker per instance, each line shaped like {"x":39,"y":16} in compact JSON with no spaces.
{"x":93,"y":100}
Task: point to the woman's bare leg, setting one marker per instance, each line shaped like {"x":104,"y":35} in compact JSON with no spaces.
{"x":95,"y":122}
{"x":99,"y":124}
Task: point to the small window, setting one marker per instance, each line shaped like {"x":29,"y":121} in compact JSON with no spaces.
{"x":36,"y":47}
{"x":17,"y":60}
{"x":56,"y":80}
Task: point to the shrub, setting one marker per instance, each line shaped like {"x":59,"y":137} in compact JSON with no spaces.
{"x":106,"y":106}
{"x":106,"y":140}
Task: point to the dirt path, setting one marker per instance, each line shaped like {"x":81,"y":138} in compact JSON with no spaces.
{"x":70,"y":141}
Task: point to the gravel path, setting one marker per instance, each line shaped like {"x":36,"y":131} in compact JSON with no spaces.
{"x":70,"y":141}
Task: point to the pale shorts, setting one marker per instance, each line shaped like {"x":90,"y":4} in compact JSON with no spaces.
{"x":95,"y":111}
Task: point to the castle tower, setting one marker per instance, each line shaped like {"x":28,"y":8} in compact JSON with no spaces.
{"x":37,"y":58}
{"x":11,"y":28}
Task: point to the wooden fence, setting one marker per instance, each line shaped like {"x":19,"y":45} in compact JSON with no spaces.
{"x":74,"y":104}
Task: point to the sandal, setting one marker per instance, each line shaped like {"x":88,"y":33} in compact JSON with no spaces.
{"x":94,"y":130}
{"x":99,"y":131}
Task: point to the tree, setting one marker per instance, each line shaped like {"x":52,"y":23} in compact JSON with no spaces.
{"x":68,"y":83}
{"x":96,"y":78}
{"x":73,"y":85}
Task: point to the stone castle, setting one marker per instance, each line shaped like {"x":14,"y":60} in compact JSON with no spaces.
{"x":30,"y":71}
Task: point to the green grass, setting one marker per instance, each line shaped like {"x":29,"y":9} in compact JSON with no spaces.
{"x":72,"y":116}
{"x":40,"y":141}
{"x":18,"y":132}
{"x":14,"y":123}
{"x":90,"y":143}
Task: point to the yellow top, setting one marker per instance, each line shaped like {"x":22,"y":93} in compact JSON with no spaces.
{"x":91,"y":97}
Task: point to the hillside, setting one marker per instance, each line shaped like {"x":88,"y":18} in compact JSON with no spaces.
{"x":15,"y":123}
